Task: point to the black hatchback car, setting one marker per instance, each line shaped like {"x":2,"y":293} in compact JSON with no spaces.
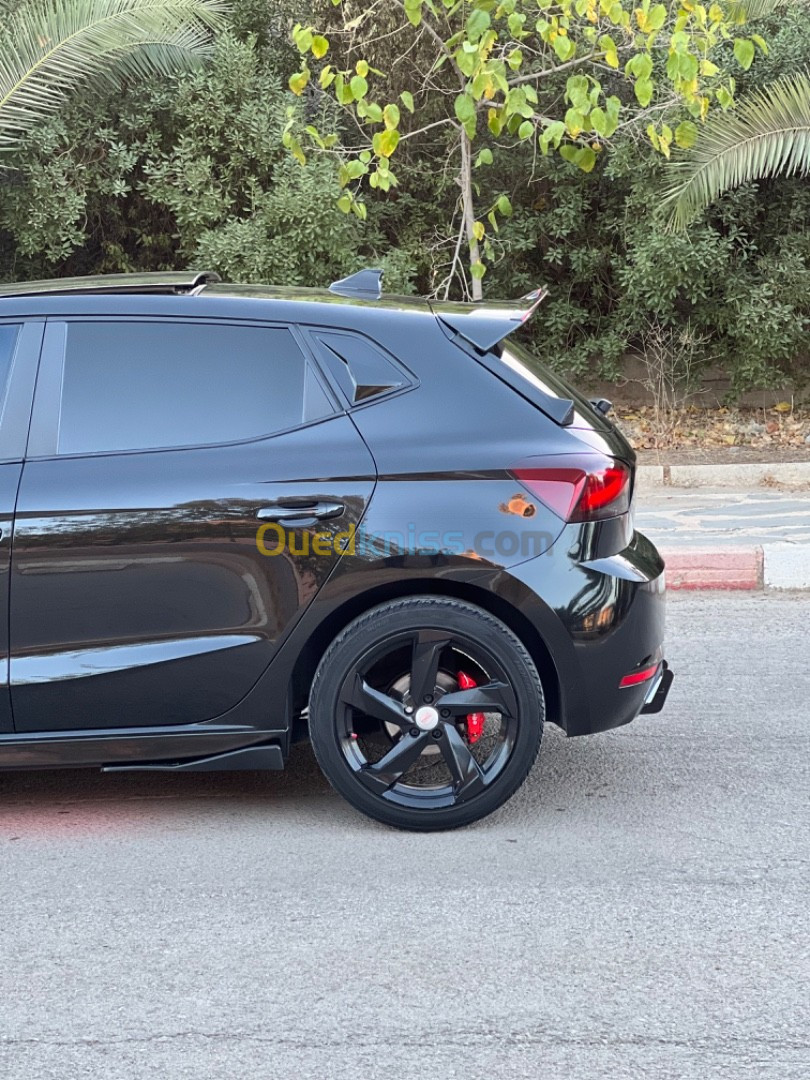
{"x":238,"y":516}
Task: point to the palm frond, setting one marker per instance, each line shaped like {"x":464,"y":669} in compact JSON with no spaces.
{"x":768,"y":134}
{"x":48,"y":48}
{"x":746,"y":11}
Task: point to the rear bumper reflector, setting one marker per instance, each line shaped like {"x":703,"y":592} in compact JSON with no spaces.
{"x":636,"y":677}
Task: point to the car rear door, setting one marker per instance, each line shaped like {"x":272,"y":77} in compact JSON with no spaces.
{"x":141,"y":593}
{"x":20,"y":344}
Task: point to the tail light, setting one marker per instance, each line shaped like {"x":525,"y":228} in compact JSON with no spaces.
{"x":579,"y":487}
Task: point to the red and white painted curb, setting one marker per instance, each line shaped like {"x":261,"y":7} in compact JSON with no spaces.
{"x":771,"y":566}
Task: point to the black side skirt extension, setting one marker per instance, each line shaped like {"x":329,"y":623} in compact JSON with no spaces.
{"x":251,"y":757}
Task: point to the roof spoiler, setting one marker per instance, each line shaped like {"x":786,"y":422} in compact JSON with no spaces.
{"x":484,"y":325}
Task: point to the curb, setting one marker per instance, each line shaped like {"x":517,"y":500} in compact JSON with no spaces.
{"x":772,"y":566}
{"x":788,"y":474}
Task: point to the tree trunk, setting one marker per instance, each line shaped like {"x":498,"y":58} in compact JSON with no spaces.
{"x":468,"y":210}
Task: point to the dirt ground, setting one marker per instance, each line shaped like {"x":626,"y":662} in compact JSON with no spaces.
{"x":697,"y":436}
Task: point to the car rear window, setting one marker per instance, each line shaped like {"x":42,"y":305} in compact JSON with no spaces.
{"x":148,"y":384}
{"x":519,"y":359}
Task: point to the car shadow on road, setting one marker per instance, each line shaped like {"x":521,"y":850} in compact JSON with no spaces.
{"x":569,"y":777}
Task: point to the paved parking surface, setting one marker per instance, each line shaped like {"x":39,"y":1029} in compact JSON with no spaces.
{"x":699,"y":517}
{"x":638,"y":910}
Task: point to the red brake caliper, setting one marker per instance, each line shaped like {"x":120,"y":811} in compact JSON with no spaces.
{"x":475,"y":720}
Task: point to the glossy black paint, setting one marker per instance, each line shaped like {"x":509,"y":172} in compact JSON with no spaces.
{"x":10,"y":473}
{"x":147,"y":626}
{"x":139,"y":596}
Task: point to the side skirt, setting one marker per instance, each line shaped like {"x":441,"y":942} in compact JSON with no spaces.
{"x":182,"y":747}
{"x":262,"y":758}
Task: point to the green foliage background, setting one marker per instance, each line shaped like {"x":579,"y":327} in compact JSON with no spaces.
{"x":192,"y":173}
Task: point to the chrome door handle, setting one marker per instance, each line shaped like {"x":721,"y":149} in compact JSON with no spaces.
{"x":299,"y":511}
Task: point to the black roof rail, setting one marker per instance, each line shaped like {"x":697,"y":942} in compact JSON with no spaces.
{"x":172,"y":282}
{"x":364,"y":285}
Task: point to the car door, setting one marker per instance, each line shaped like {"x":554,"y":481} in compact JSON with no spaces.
{"x":142,"y":592}
{"x":19,"y":355}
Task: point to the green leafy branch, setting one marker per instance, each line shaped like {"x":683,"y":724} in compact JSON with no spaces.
{"x":496,"y":72}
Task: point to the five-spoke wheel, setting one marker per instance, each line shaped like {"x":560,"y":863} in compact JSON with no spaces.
{"x":426,"y":713}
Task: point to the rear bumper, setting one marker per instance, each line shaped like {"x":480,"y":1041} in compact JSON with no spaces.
{"x":612,"y":612}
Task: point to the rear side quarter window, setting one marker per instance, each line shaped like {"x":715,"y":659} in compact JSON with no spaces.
{"x":359,"y":367}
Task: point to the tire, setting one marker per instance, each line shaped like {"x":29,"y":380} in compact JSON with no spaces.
{"x":426,"y":713}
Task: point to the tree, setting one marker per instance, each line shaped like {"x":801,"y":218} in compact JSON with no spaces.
{"x":768,"y":134}
{"x":49,"y":48}
{"x":187,"y":170}
{"x":564,"y":74}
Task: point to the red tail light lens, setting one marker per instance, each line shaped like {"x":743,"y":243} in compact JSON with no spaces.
{"x":579,"y":488}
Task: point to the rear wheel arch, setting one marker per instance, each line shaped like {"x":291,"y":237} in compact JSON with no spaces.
{"x":324,"y":634}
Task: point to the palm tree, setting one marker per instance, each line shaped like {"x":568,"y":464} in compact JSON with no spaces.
{"x":768,"y":134}
{"x":48,"y":48}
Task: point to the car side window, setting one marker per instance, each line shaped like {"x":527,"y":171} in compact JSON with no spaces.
{"x":9,"y":332}
{"x":361,"y":370}
{"x":134,"y":385}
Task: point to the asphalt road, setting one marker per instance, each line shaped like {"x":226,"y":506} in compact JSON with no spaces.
{"x":640,"y":909}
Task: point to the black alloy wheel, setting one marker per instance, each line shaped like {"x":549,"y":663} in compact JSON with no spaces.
{"x":426,"y":713}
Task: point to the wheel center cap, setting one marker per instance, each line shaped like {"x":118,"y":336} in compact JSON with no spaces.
{"x":426,"y":718}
